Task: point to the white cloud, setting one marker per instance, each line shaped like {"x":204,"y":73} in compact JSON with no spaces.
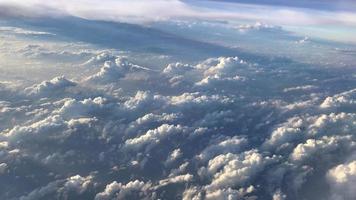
{"x":176,"y":153}
{"x":342,"y":180}
{"x":229,"y":145}
{"x":54,"y":86}
{"x":233,"y":170}
{"x":72,"y":107}
{"x":298,"y":128}
{"x":341,"y":123}
{"x":48,"y":124}
{"x":77,"y":183}
{"x":154,"y":136}
{"x":17,"y":30}
{"x":3,"y":168}
{"x":189,"y":99}
{"x":144,"y":11}
{"x":229,"y":193}
{"x":144,"y":100}
{"x":181,"y":169}
{"x":323,"y":147}
{"x":100,"y":58}
{"x":300,"y":88}
{"x":117,"y":190}
{"x":257,"y":26}
{"x":177,"y":69}
{"x":192,"y":193}
{"x":287,"y":132}
{"x":176,"y":179}
{"x":223,"y":66}
{"x":198,"y":128}
{"x":211,"y":81}
{"x":278,"y":195}
{"x":149,"y":119}
{"x":346,"y":99}
{"x":113,"y":71}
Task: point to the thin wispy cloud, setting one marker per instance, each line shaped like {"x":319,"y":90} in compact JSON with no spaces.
{"x":135,"y":11}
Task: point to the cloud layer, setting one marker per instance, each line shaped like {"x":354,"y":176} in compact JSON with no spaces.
{"x":108,"y":124}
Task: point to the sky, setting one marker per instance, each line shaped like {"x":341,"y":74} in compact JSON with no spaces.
{"x":313,"y":17}
{"x":169,"y":99}
{"x":316,"y":4}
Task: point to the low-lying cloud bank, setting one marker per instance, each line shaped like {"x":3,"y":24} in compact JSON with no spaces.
{"x":218,"y":129}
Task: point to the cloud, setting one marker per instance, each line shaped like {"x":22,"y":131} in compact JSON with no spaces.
{"x":300,"y":88}
{"x":100,"y":58}
{"x":48,"y":124}
{"x":229,"y":145}
{"x":63,"y":53}
{"x":297,"y":128}
{"x":3,"y":168}
{"x":117,"y":190}
{"x":231,"y":129}
{"x":210,"y":73}
{"x":229,"y":193}
{"x":216,"y":80}
{"x":43,"y":191}
{"x":21,"y":31}
{"x":54,"y":86}
{"x":233,"y":170}
{"x":113,"y":71}
{"x":176,"y":179}
{"x":325,"y":147}
{"x":278,"y":195}
{"x":154,"y":136}
{"x":257,"y":26}
{"x":191,"y":99}
{"x":344,"y":99}
{"x":143,"y":11}
{"x":177,"y":69}
{"x":176,"y":154}
{"x":72,"y":108}
{"x":342,"y":180}
{"x":149,"y":120}
{"x":77,"y":184}
{"x":222,"y":66}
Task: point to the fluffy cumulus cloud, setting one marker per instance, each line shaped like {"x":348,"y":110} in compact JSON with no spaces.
{"x":342,"y":180}
{"x":210,"y":160}
{"x":344,"y":99}
{"x":231,"y":170}
{"x":229,"y":145}
{"x":112,"y":71}
{"x":56,"y":85}
{"x":300,"y":128}
{"x":154,"y":136}
{"x":132,"y":189}
{"x":323,"y":146}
